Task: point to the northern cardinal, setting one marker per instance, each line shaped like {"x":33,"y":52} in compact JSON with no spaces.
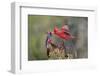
{"x":63,"y":33}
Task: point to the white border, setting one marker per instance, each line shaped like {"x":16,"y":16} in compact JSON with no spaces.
{"x":19,"y":38}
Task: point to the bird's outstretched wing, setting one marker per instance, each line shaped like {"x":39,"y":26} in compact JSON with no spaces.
{"x":67,"y":33}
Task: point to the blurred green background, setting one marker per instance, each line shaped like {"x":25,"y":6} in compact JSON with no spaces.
{"x":39,"y":25}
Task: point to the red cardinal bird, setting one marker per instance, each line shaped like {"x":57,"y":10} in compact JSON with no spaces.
{"x":63,"y":33}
